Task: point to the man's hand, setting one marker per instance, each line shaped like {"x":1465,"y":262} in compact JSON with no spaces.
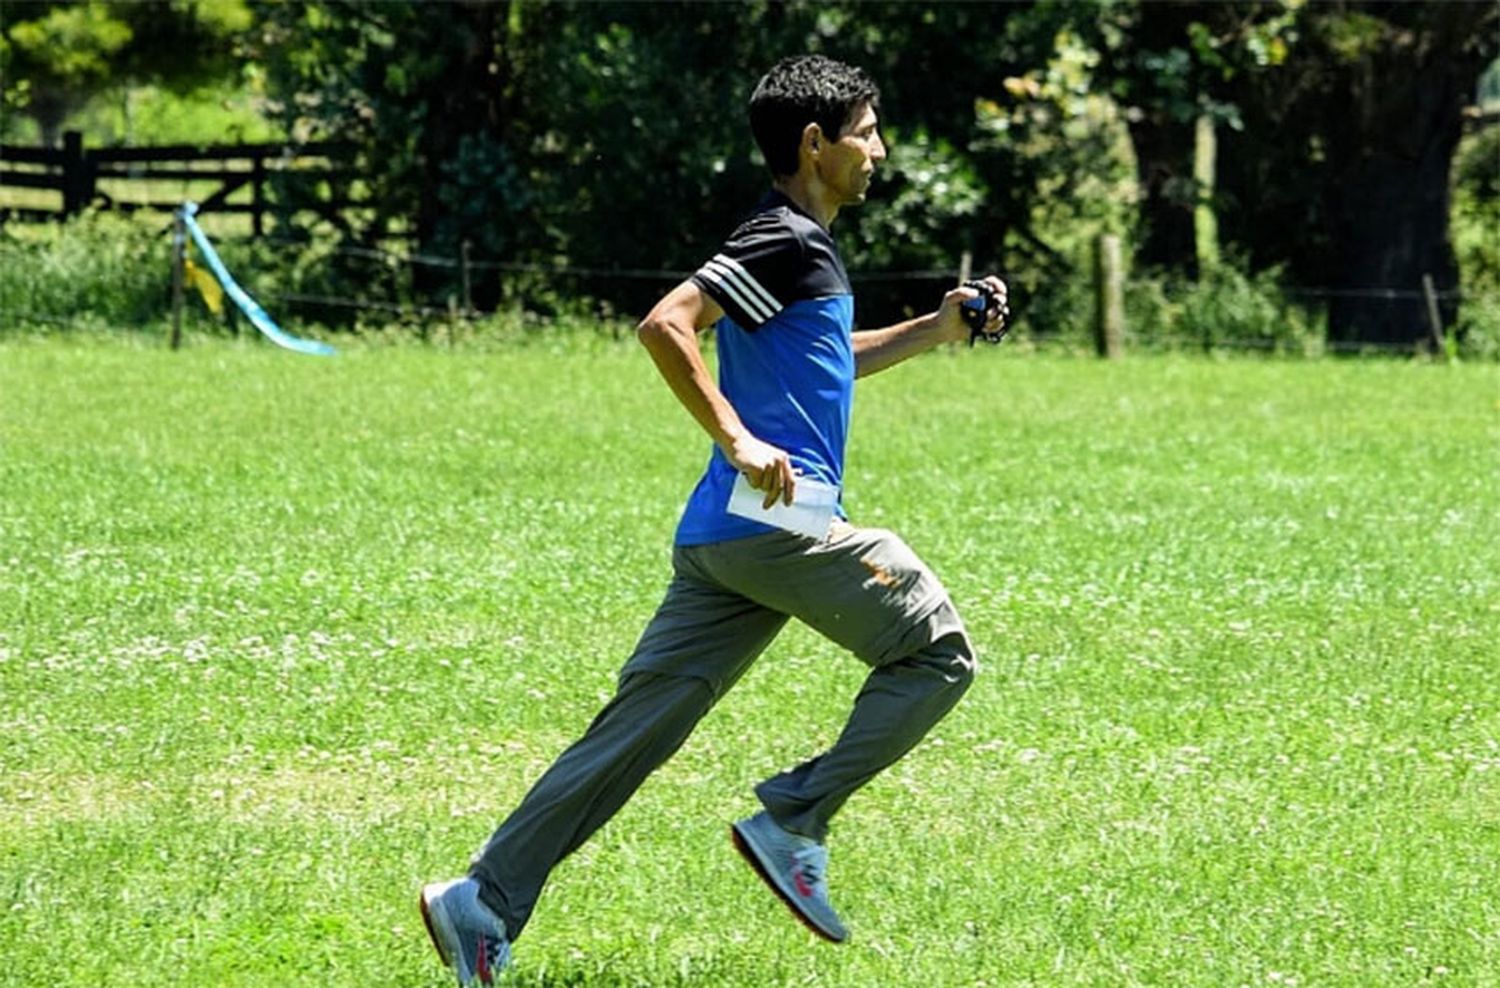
{"x":767,"y":468}
{"x":951,"y":325}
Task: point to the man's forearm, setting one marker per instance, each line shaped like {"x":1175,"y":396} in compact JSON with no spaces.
{"x":877,"y":349}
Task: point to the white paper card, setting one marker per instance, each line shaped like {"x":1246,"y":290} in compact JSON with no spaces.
{"x":811,"y":512}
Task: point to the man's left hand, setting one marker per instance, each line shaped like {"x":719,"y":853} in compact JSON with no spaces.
{"x":951,"y":325}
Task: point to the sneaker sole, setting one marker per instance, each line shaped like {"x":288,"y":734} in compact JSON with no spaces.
{"x":748,"y":852}
{"x":445,"y":950}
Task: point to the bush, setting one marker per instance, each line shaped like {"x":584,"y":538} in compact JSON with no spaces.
{"x":96,"y":270}
{"x":1226,"y":308}
{"x":1057,"y":310}
{"x":1475,"y":217}
{"x":1229,"y":307}
{"x":103,"y":271}
{"x":1478,"y":331}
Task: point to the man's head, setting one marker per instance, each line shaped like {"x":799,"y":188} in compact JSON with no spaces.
{"x":808,"y":103}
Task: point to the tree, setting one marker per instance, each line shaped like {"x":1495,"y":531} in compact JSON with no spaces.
{"x":1343,"y":121}
{"x":614,"y":136}
{"x":56,"y":56}
{"x":1344,"y":163}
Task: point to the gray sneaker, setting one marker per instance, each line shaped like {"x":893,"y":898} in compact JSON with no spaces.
{"x":469,"y":937}
{"x":795,"y":867}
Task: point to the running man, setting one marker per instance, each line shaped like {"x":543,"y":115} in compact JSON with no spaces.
{"x":783,"y":312}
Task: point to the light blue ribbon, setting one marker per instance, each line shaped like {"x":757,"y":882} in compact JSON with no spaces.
{"x":248,"y":305}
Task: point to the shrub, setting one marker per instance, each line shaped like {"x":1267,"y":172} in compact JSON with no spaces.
{"x":98,"y":269}
{"x":1226,"y":308}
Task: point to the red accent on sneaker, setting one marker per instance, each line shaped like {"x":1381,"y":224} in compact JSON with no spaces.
{"x":804,"y":889}
{"x":483,"y":964}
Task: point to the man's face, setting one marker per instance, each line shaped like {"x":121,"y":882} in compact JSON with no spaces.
{"x":847,"y":164}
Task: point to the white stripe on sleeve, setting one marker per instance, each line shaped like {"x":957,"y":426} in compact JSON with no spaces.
{"x":747,"y":280}
{"x":753,"y":307}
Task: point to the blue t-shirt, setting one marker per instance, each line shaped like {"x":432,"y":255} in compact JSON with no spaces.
{"x":786,"y":356}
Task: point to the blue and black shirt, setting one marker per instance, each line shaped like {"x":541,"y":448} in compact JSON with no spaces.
{"x":786,"y":354}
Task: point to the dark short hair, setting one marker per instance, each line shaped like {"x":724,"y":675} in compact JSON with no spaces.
{"x":801,"y":90}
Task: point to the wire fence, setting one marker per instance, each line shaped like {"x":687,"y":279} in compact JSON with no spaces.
{"x":395,"y":296}
{"x":395,"y":259}
{"x":938,"y":277}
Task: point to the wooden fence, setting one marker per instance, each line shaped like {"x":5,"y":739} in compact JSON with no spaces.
{"x":77,"y":173}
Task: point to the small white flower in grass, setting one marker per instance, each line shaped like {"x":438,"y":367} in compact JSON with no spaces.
{"x":1028,"y":755}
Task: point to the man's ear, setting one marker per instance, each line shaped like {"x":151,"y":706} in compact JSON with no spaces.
{"x":812,"y":138}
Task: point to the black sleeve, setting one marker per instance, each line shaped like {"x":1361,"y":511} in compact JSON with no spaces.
{"x":756,"y":273}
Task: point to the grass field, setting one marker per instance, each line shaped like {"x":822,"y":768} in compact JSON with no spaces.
{"x":281,"y":638}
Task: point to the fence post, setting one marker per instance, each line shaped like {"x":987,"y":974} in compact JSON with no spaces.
{"x":1434,"y":317}
{"x":179,"y":256}
{"x":1109,"y":294}
{"x":463,"y":274}
{"x":78,"y":175}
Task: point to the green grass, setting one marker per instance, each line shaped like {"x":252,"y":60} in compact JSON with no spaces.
{"x":281,"y":638}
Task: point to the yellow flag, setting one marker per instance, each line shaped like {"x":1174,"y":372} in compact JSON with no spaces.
{"x":207,"y":285}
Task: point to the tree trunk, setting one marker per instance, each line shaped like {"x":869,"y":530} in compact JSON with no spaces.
{"x":462,"y":100}
{"x":1391,"y":150}
{"x":1390,"y":214}
{"x":1164,"y":161}
{"x":50,"y":113}
{"x":1162,"y":135}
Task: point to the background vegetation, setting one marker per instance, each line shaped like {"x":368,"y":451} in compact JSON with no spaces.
{"x":610,"y":139}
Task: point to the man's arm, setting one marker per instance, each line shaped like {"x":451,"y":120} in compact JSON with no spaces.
{"x":670,"y":334}
{"x":878,"y":349}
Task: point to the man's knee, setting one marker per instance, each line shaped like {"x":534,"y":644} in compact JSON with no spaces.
{"x":951,"y":657}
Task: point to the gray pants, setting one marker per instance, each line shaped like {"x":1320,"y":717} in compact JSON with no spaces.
{"x":863,"y":588}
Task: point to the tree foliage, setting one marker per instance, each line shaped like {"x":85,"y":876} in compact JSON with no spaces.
{"x":1339,"y":124}
{"x":56,"y":56}
{"x":612,"y":136}
{"x":1342,"y":171}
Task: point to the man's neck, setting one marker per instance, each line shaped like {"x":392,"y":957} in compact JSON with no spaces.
{"x":809,"y":195}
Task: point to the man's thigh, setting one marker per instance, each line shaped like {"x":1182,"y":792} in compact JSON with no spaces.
{"x":704,"y":631}
{"x":861,"y":587}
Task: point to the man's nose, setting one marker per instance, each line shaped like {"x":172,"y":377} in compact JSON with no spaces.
{"x":877,"y":152}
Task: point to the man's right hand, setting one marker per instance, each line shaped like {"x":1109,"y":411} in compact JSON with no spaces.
{"x":766,"y":468}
